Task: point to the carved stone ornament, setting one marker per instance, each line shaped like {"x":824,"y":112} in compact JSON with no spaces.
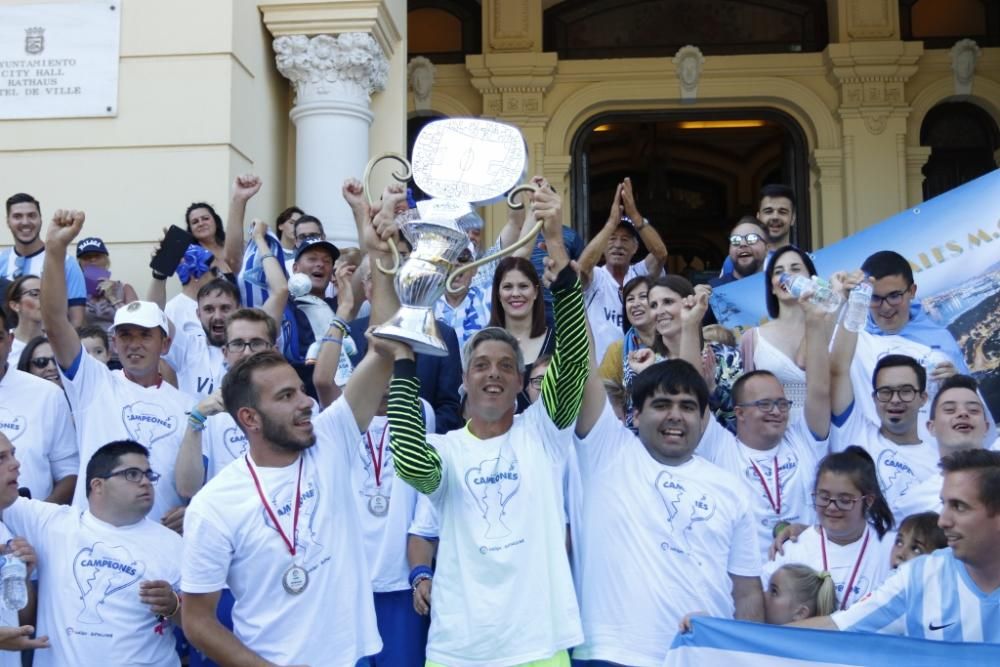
{"x":420,"y":71}
{"x":688,"y":62}
{"x":350,"y":65}
{"x":875,"y":122}
{"x":964,"y":56}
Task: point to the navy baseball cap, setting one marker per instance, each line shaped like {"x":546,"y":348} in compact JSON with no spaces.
{"x":319,"y":243}
{"x":91,"y":244}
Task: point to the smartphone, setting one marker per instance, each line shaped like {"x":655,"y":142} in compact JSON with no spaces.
{"x":171,"y":251}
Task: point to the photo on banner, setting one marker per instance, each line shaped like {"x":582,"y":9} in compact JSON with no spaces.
{"x":952,"y":242}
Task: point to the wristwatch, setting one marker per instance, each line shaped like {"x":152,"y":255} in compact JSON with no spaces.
{"x":642,"y":224}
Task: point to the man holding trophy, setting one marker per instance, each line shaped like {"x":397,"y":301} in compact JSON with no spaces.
{"x":503,"y":594}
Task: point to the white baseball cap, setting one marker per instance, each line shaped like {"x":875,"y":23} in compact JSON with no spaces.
{"x":142,"y":314}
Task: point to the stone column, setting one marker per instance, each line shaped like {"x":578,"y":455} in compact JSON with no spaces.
{"x":916,"y":158}
{"x":334,"y":78}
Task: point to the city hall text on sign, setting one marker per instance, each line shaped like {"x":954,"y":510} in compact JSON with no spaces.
{"x":59,"y":60}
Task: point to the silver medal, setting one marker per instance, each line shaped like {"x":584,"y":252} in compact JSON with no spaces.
{"x":378,"y":505}
{"x":295,"y":580}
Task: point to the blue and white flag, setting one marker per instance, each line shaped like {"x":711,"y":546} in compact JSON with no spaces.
{"x":953,"y":245}
{"x":716,"y":641}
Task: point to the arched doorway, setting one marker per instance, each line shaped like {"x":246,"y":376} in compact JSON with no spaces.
{"x":695,"y":174}
{"x":963,"y":139}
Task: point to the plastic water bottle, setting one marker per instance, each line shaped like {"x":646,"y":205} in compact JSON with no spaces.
{"x":857,"y":307}
{"x":12,"y":575}
{"x":822,"y":294}
{"x":930,"y":362}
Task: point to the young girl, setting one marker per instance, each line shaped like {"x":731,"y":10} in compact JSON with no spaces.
{"x":796,"y":592}
{"x":853,"y":539}
{"x":919,"y":534}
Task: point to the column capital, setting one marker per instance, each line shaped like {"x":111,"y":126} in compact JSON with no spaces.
{"x":314,"y":17}
{"x":348,"y":67}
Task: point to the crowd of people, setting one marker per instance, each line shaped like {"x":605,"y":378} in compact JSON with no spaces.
{"x":248,"y":474}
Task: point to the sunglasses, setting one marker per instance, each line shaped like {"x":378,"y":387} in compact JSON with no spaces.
{"x":749,"y":239}
{"x":42,"y":362}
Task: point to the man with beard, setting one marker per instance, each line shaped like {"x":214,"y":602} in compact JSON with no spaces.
{"x":196,"y":355}
{"x":279,"y":525}
{"x":776,"y":214}
{"x":26,"y":257}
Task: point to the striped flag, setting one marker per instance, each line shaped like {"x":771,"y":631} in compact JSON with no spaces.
{"x":715,"y":641}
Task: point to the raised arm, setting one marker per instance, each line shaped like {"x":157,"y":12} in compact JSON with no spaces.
{"x":189,"y":470}
{"x":274,"y":274}
{"x":325,"y":370}
{"x":592,"y":253}
{"x":819,"y":328}
{"x":365,"y":388}
{"x":844,"y":344}
{"x":657,"y":257}
{"x":65,"y":227}
{"x":244,"y":187}
{"x":565,"y":378}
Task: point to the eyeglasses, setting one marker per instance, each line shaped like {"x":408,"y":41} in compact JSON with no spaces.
{"x":892,"y":298}
{"x":133,"y":475}
{"x":42,"y":362}
{"x":906,"y":393}
{"x":769,"y":404}
{"x":749,"y":239}
{"x":844,"y":503}
{"x":33,"y":293}
{"x":255,"y":344}
{"x":536,"y":381}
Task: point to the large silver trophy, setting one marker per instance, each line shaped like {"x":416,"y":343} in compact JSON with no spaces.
{"x":461,"y":163}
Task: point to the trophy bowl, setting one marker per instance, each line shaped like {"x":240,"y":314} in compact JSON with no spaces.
{"x":459,"y":162}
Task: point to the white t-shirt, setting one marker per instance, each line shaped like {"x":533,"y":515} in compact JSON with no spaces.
{"x":385,"y":506}
{"x":16,"y":348}
{"x":230,"y":541}
{"x":503,"y":594}
{"x":35,"y":417}
{"x":930,"y":597}
{"x":107,"y":406}
{"x":604,"y":304}
{"x":922,"y":497}
{"x":182,"y":310}
{"x":658,"y":541}
{"x":8,"y":617}
{"x":899,"y":467}
{"x":88,"y":585}
{"x":840,"y":561}
{"x":795,"y":459}
{"x":199,"y":366}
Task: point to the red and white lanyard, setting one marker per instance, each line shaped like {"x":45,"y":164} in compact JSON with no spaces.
{"x":775,"y":498}
{"x":857,"y":564}
{"x":377,"y":460}
{"x":290,"y":543}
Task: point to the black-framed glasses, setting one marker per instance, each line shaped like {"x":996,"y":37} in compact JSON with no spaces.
{"x":536,"y":381}
{"x":237,"y":345}
{"x":42,"y":362}
{"x":843,"y":503}
{"x":892,"y":298}
{"x":134,"y":475}
{"x":748,"y":239}
{"x":906,"y":393}
{"x":769,"y":404}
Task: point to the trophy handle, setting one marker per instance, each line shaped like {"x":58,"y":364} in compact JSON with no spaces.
{"x":402,"y":177}
{"x":524,"y":240}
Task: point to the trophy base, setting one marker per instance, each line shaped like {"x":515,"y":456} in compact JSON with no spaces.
{"x":415,"y":326}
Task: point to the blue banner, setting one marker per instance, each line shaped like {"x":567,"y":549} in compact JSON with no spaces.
{"x":715,"y":641}
{"x":953,"y":244}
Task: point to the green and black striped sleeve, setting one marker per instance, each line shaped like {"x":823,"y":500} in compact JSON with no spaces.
{"x":566,"y":376}
{"x":416,"y":462}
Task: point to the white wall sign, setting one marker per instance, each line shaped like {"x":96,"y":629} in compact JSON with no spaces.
{"x":59,"y":60}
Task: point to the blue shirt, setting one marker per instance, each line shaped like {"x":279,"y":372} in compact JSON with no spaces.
{"x":13,"y":266}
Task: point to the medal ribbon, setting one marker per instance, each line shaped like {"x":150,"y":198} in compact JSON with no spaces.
{"x":857,"y":564}
{"x":295,"y":516}
{"x":775,"y":499}
{"x":377,"y":461}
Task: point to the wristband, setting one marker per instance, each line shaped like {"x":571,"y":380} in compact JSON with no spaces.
{"x":163,"y":617}
{"x":196,"y":420}
{"x":159,"y":276}
{"x":263,"y":257}
{"x":779,"y":528}
{"x":420,"y":572}
{"x":340,"y":324}
{"x":331,"y":339}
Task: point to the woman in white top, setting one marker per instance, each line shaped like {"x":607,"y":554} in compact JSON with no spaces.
{"x":22,"y":298}
{"x":777,"y":345}
{"x":854,"y":540}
